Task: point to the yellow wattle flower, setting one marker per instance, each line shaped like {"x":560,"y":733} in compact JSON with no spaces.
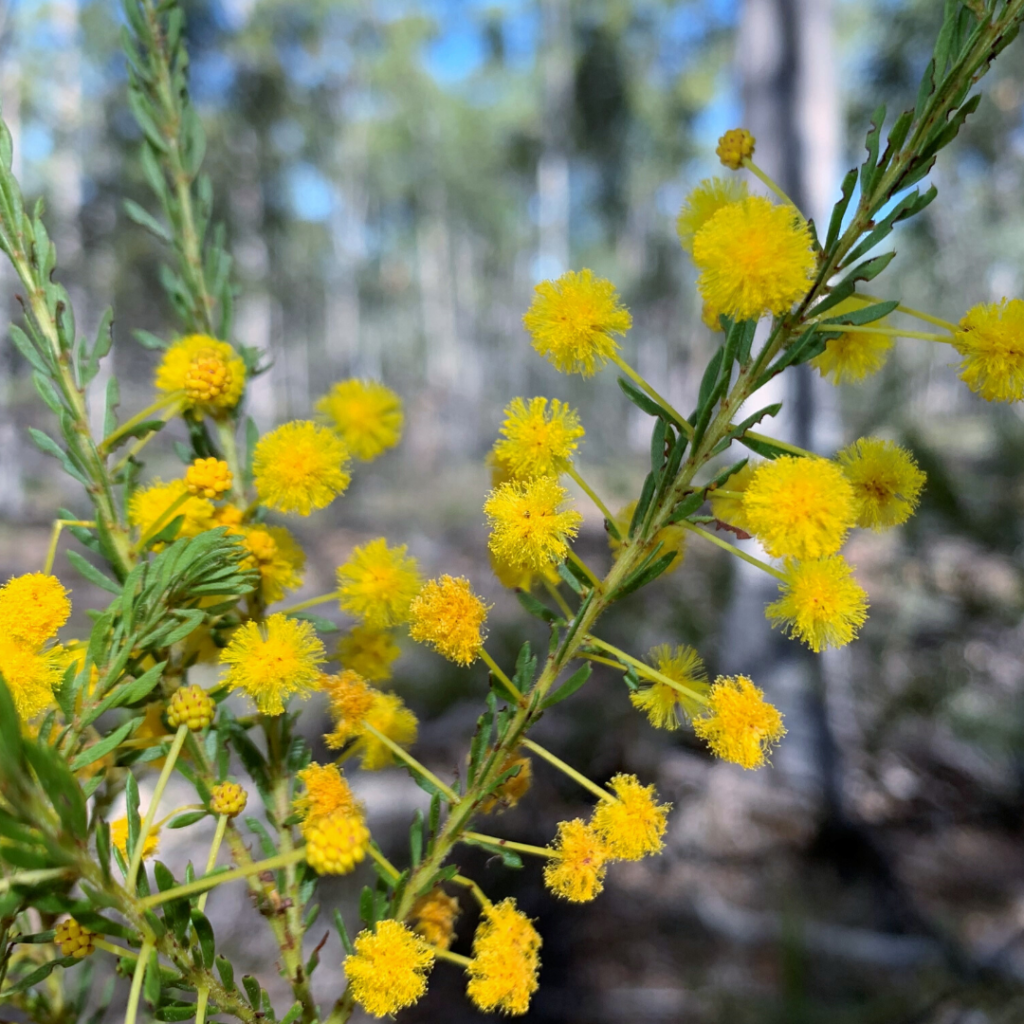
{"x":388,"y":969}
{"x":368,"y":651}
{"x":887,"y":482}
{"x":703,"y":203}
{"x":529,"y":527}
{"x":327,"y":792}
{"x":739,"y":724}
{"x":148,"y":509}
{"x":633,"y":824}
{"x":991,"y":341}
{"x":434,"y":915}
{"x":31,"y":674}
{"x":33,"y":607}
{"x":377,"y":584}
{"x":208,"y":478}
{"x":577,"y":871}
{"x":277,"y":555}
{"x":208,"y":371}
{"x":659,"y":700}
{"x":506,"y":960}
{"x":537,"y":440}
{"x":754,"y":257}
{"x":119,"y":839}
{"x":300,"y":467}
{"x":820,"y":603}
{"x":799,"y":507}
{"x":449,"y":617}
{"x":333,"y":823}
{"x":572,"y":321}
{"x":730,"y":510}
{"x":854,"y":355}
{"x":366,"y":414}
{"x":272,"y":661}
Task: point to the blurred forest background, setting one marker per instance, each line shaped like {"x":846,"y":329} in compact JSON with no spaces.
{"x":395,"y":176}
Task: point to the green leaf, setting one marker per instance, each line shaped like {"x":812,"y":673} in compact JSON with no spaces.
{"x":658,"y":435}
{"x":42,"y":972}
{"x":184,"y":820}
{"x":687,"y":506}
{"x":763,"y":448}
{"x":146,"y":220}
{"x":172,"y":1012}
{"x":708,"y":382}
{"x":639,"y":399}
{"x":28,"y":349}
{"x":569,"y":687}
{"x":839,"y":210}
{"x":105,"y":746}
{"x":101,"y":347}
{"x":47,"y":392}
{"x":742,"y":428}
{"x":148,"y":340}
{"x":509,"y":858}
{"x":151,"y":985}
{"x":536,"y":608}
{"x":367,"y":905}
{"x":10,"y":737}
{"x":925,"y":90}
{"x":321,"y":624}
{"x":293,"y":1014}
{"x":416,"y":838}
{"x":252,"y":990}
{"x":570,"y":578}
{"x":61,"y":787}
{"x":867,"y":171}
{"x":642,"y":506}
{"x":226,"y":972}
{"x":204,"y":933}
{"x":647,"y":574}
{"x":725,"y":475}
{"x":92,"y":574}
{"x":526,"y":668}
{"x":112,"y":400}
{"x":865,"y":315}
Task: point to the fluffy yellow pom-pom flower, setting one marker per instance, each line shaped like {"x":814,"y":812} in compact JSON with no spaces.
{"x":434,"y":915}
{"x":333,"y":823}
{"x":887,"y":482}
{"x":799,"y":507}
{"x":208,"y":478}
{"x":388,"y":969}
{"x":276,"y":554}
{"x":327,"y":792}
{"x":506,"y":959}
{"x":632,"y":825}
{"x":366,"y":414}
{"x":529,"y":528}
{"x":208,"y":371}
{"x":377,"y":583}
{"x":33,"y":607}
{"x":119,"y":839}
{"x":734,"y":147}
{"x":154,"y":507}
{"x":537,"y":440}
{"x":821,"y":603}
{"x":31,"y":675}
{"x":577,"y":870}
{"x":703,"y":203}
{"x":854,"y":355}
{"x":300,"y":467}
{"x":739,"y":724}
{"x":273,"y":661}
{"x":991,"y":341}
{"x":356,"y":706}
{"x":659,"y":700}
{"x":450,"y":617}
{"x":370,"y":652}
{"x":671,"y":538}
{"x":572,"y":321}
{"x":754,"y":258}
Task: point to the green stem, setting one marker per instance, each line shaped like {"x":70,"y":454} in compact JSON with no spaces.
{"x":558,"y":599}
{"x":733,"y":550}
{"x":915,"y":313}
{"x":536,"y":851}
{"x":132,"y":1011}
{"x":478,"y":894}
{"x":767,"y":181}
{"x":411,"y":761}
{"x":310,"y":603}
{"x":58,"y":526}
{"x":644,"y":669}
{"x":784,"y":445}
{"x":677,"y":417}
{"x":211,"y":861}
{"x":576,"y":776}
{"x":171,"y":398}
{"x":380,"y":859}
{"x":590,"y":492}
{"x":202,"y":997}
{"x":500,"y":675}
{"x":229,"y":446}
{"x":453,"y":958}
{"x":147,"y":822}
{"x":891,"y":332}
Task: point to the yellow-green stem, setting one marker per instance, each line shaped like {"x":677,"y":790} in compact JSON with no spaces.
{"x":211,"y":861}
{"x":310,"y":603}
{"x":132,"y":1011}
{"x":767,"y":181}
{"x":576,"y":776}
{"x":563,"y":605}
{"x":110,"y":947}
{"x":478,"y":893}
{"x":384,"y":863}
{"x":453,"y":958}
{"x":647,"y":671}
{"x":202,"y":997}
{"x":173,"y":398}
{"x":892,"y":332}
{"x":733,"y":550}
{"x":508,"y":844}
{"x":915,"y":313}
{"x":229,"y":446}
{"x":573,"y":472}
{"x":411,"y":761}
{"x":673,"y":413}
{"x":154,"y":803}
{"x":784,"y":445}
{"x":500,"y":675}
{"x":212,"y":881}
{"x":58,"y":526}
{"x":721,"y":492}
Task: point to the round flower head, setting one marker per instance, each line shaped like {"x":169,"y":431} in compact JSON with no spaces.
{"x":368,"y":651}
{"x":799,"y":507}
{"x":31,"y":675}
{"x":450,"y":617}
{"x":300,"y":467}
{"x":515,"y":577}
{"x":366,"y":414}
{"x":754,"y":258}
{"x":327,"y":792}
{"x":33,"y":607}
{"x":388,"y":970}
{"x":820,"y":603}
{"x":276,"y":554}
{"x":735,"y":146}
{"x":577,"y":871}
{"x":887,"y":482}
{"x":739,"y":724}
{"x":853,"y":355}
{"x":703,"y":203}
{"x":659,"y":700}
{"x":377,"y":584}
{"x":633,"y":824}
{"x":191,"y":706}
{"x":358,"y":709}
{"x":273,"y":661}
{"x":537,"y":441}
{"x":333,"y":823}
{"x":730,"y":510}
{"x":529,"y":528}
{"x":506,"y":959}
{"x":208,"y":371}
{"x":158,"y":505}
{"x":515,"y":786}
{"x":572,"y":321}
{"x":671,"y":538}
{"x":208,"y":478}
{"x":74,"y":939}
{"x":228,"y":515}
{"x":228,"y":798}
{"x":991,"y":341}
{"x":119,"y":839}
{"x":433,"y":916}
